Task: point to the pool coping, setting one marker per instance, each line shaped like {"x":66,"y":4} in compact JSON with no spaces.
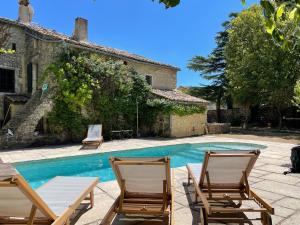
{"x":260,"y":147}
{"x":51,"y":152}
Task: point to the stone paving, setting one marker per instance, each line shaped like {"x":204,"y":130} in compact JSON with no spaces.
{"x":281,"y":191}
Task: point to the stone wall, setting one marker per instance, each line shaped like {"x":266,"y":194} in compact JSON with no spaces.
{"x":162,"y":78}
{"x":191,"y":125}
{"x":218,"y":128}
{"x":14,"y":62}
{"x":232,"y":116}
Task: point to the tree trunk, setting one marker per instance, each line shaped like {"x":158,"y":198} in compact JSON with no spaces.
{"x":229,"y":102}
{"x":279,"y":118}
{"x":246,"y":113}
{"x":218,"y":106}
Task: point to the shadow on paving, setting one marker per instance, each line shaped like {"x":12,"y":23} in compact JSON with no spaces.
{"x":195,"y":208}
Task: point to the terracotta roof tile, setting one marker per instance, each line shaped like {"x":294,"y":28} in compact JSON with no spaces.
{"x":175,"y":95}
{"x":54,"y":36}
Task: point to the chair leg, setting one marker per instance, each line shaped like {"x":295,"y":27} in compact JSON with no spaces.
{"x":189,"y":179}
{"x":92,"y":198}
{"x":266,"y":218}
{"x":166,"y":220}
{"x":203,"y":217}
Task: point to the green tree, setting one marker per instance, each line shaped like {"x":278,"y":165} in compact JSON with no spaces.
{"x":282,"y":21}
{"x":259,"y":71}
{"x":297,"y":94}
{"x":212,"y":68}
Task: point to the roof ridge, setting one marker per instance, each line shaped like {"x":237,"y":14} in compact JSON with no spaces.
{"x":177,"y":95}
{"x":35,"y":27}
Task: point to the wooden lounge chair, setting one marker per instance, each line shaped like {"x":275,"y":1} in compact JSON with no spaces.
{"x":146,"y":191}
{"x":94,"y":135}
{"x":52,"y":203}
{"x":223,"y":176}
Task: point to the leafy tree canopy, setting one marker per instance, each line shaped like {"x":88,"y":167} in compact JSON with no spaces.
{"x":259,"y":71}
{"x":212,"y":68}
{"x":169,"y":3}
{"x":282,"y":21}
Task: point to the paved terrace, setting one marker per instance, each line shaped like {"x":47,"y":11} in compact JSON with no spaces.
{"x":282,"y":191}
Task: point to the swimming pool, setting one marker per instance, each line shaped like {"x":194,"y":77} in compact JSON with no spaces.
{"x":39,"y":172}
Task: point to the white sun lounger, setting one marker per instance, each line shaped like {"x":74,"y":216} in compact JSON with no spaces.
{"x":223,"y":176}
{"x":52,"y":203}
{"x":94,"y":135}
{"x":146,"y":189}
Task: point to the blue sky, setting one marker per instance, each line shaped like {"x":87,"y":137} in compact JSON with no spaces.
{"x":172,"y":36}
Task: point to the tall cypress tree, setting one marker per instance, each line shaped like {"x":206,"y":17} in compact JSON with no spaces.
{"x":212,"y":68}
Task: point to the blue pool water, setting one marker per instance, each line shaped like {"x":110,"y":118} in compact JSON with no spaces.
{"x":39,"y":172}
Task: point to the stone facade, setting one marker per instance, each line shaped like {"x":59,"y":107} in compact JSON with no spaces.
{"x":162,"y":78}
{"x":191,"y":125}
{"x":28,"y":50}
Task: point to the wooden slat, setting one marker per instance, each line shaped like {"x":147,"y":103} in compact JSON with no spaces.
{"x":139,"y":163}
{"x":7,"y":184}
{"x":145,"y":200}
{"x":208,"y":184}
{"x":262,"y":202}
{"x":122,"y":195}
{"x":204,"y":169}
{"x":172,"y":199}
{"x":37,"y":221}
{"x":92,"y":198}
{"x":235,"y":210}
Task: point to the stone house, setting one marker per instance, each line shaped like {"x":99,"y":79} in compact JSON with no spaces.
{"x":21,"y":107}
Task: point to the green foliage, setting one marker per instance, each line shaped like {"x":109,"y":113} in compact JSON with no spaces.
{"x":93,"y":89}
{"x":6,"y":51}
{"x":259,"y":71}
{"x":67,"y":120}
{"x":169,"y":3}
{"x":212,"y":68}
{"x":297,"y":94}
{"x":282,"y":21}
{"x":168,"y":107}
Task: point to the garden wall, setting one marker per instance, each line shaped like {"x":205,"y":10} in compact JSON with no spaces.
{"x":232,"y":116}
{"x":218,"y":128}
{"x":191,"y":125}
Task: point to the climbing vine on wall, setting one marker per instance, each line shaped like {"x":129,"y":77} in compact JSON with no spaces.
{"x":93,"y":89}
{"x":169,"y":107}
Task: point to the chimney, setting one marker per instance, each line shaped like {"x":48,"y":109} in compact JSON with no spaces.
{"x":81,"y":30}
{"x":25,"y":11}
